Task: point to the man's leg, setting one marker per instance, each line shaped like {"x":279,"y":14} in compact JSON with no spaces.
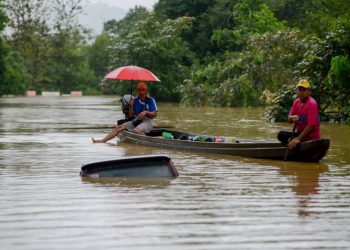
{"x":285,"y":136}
{"x":138,"y":131}
{"x":144,"y":128}
{"x":109,"y":136}
{"x":113,"y":133}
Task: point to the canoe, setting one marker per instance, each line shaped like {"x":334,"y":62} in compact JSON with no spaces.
{"x":137,"y":166}
{"x":309,"y":151}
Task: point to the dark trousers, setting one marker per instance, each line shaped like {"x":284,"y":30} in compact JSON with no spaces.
{"x":121,"y":121}
{"x":285,"y":136}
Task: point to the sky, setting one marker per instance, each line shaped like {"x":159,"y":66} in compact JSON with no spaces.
{"x":96,"y":12}
{"x":126,"y":4}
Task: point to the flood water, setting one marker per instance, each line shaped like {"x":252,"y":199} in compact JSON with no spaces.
{"x":217,"y":202}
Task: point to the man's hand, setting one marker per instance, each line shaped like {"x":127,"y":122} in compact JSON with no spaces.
{"x":293,"y":118}
{"x":131,"y":101}
{"x":141,"y":115}
{"x":293,"y":143}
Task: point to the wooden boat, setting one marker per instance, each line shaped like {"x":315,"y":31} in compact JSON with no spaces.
{"x":139,"y":166}
{"x":309,"y":151}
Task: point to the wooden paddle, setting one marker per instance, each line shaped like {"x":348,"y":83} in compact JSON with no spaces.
{"x":287,"y":150}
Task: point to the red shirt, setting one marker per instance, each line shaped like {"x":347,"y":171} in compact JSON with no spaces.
{"x":308,"y":115}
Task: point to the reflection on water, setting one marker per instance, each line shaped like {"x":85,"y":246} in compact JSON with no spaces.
{"x":130,"y":182}
{"x":305,"y":184}
{"x":218,"y":202}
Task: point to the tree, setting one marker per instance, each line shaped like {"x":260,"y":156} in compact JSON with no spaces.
{"x":3,"y":21}
{"x":326,"y":62}
{"x":159,"y":47}
{"x":98,"y":54}
{"x":16,"y":79}
{"x":198,"y":37}
{"x":66,"y":57}
{"x":260,"y":54}
{"x":13,"y":76}
{"x":172,"y":9}
{"x":313,"y":17}
{"x":3,"y":17}
{"x":136,"y":14}
{"x":28,"y":21}
{"x":47,"y":35}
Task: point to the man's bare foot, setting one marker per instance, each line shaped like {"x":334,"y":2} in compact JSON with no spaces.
{"x":97,"y":141}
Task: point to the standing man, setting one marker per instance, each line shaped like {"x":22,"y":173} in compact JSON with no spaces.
{"x":144,"y":108}
{"x":304,"y":113}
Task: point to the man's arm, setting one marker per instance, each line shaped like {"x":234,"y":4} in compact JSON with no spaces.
{"x":131,"y":112}
{"x":152,"y":107}
{"x":151,"y":114}
{"x":297,"y":140}
{"x":148,"y":114}
{"x":293,"y":118}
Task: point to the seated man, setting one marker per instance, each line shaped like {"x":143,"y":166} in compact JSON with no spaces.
{"x":144,"y":108}
{"x":304,"y":113}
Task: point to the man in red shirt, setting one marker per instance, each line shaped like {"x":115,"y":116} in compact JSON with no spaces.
{"x":304,"y":113}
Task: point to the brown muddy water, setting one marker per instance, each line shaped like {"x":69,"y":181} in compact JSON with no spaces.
{"x":218,"y":202}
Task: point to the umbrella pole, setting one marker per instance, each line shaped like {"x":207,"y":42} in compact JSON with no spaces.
{"x":132,"y":83}
{"x":132,"y":80}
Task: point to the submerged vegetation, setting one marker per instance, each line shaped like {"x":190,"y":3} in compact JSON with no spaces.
{"x":206,"y":52}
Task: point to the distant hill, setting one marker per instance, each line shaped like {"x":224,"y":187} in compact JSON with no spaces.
{"x":95,"y":14}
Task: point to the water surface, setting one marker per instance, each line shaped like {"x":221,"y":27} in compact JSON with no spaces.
{"x":218,"y":202}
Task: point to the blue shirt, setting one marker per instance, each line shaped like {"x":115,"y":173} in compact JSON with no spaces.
{"x":149,"y":104}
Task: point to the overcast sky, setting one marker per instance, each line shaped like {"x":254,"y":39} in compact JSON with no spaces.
{"x":126,"y":4}
{"x":96,"y":12}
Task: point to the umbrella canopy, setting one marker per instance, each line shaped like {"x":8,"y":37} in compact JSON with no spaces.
{"x":132,"y":73}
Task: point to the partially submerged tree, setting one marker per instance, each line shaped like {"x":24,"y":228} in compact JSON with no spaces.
{"x":48,"y":37}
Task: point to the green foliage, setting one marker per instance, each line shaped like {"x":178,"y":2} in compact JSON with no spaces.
{"x":14,"y":77}
{"x":206,"y":52}
{"x":270,"y":58}
{"x":172,"y":9}
{"x":261,"y":51}
{"x":68,"y":63}
{"x":3,"y":49}
{"x":208,"y":16}
{"x":326,"y":62}
{"x":194,"y":94}
{"x":339,"y":82}
{"x":313,"y":17}
{"x":157,"y":46}
{"x":339,"y":72}
{"x":250,"y":22}
{"x":279,"y":103}
{"x":29,"y":36}
{"x":3,"y":17}
{"x":198,"y":91}
{"x":267,"y":62}
{"x":98,"y":55}
{"x":53,"y":51}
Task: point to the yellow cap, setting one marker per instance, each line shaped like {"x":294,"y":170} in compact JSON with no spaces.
{"x":304,"y":83}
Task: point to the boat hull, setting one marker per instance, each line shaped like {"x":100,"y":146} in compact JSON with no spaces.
{"x":310,"y":151}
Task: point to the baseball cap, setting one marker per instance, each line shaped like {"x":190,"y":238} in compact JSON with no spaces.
{"x":304,"y":83}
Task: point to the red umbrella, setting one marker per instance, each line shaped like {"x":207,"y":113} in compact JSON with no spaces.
{"x":131,"y":73}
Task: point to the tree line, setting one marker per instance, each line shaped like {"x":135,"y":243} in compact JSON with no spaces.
{"x":206,"y":52}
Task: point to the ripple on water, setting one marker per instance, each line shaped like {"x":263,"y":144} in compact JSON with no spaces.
{"x":218,"y":202}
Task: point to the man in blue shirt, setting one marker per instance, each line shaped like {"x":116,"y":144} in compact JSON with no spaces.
{"x":144,"y":110}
